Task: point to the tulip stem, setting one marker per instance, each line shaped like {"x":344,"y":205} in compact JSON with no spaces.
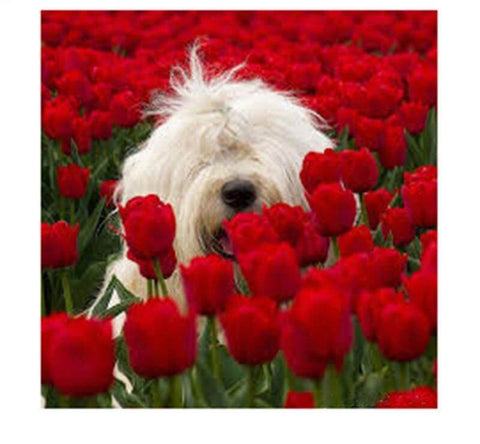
{"x":251,"y":386}
{"x":363,"y":210}
{"x":149,"y":288}
{"x":213,"y":346}
{"x":66,"y":293}
{"x":402,"y":374}
{"x":336,"y":252}
{"x":175,"y":392}
{"x":332,"y":387}
{"x":156,"y":401}
{"x":161,"y":280}
{"x":318,"y":393}
{"x":43,"y":297}
{"x":71,"y":204}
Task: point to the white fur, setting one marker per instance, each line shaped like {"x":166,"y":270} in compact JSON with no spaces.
{"x":214,"y":130}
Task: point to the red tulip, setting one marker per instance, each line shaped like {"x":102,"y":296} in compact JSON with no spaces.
{"x":125,"y":109}
{"x":403,"y":331}
{"x":107,"y":191}
{"x":359,"y":170}
{"x":376,"y":202}
{"x":334,"y":209}
{"x":320,"y":168}
{"x":252,"y":329}
{"x":209,"y":283}
{"x":413,"y":116}
{"x":81,"y":357}
{"x":247,"y":231}
{"x":50,"y":326}
{"x":101,"y":124}
{"x":396,"y":221}
{"x":428,"y":238}
{"x":357,"y":240}
{"x":59,"y":245}
{"x":167,"y":263}
{"x":393,"y":152}
{"x":161,"y":341}
{"x":420,"y":200}
{"x":388,"y":265}
{"x":424,"y":173}
{"x":72,"y":181}
{"x":57,"y":118}
{"x":299,"y":400}
{"x":421,"y":288}
{"x":287,"y":221}
{"x":316,"y":330}
{"x":271,"y":271}
{"x":311,"y":247}
{"x":149,"y":226}
{"x":423,"y":397}
{"x":370,"y":306}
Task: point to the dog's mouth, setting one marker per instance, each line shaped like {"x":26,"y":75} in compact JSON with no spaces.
{"x":221,"y":245}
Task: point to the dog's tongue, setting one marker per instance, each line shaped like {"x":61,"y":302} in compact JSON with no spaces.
{"x":226,"y":245}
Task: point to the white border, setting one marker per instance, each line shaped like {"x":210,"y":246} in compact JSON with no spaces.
{"x":459,"y":362}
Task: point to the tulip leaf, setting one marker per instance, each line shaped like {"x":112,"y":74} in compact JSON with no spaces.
{"x":103,"y":302}
{"x":88,"y":228}
{"x":114,"y":311}
{"x":123,"y":293}
{"x":212,"y":388}
{"x":74,"y":153}
{"x":277,"y":388}
{"x":231,"y":371}
{"x":125,"y":399}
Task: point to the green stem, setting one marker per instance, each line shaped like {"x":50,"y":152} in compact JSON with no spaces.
{"x":66,"y":293}
{"x":363,"y":210}
{"x":336,"y":252}
{"x":332,"y":387}
{"x":214,"y":346}
{"x":318,"y":393}
{"x":402,"y":375}
{"x":156,"y":292}
{"x":251,"y":386}
{"x":156,"y":402}
{"x":72,"y":211}
{"x":44,"y":312}
{"x":175,"y":392}
{"x":149,"y":288}
{"x":161,"y":280}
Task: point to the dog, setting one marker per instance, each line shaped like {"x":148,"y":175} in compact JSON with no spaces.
{"x":225,"y":145}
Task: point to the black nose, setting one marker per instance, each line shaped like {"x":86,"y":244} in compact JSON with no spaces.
{"x":238,"y":194}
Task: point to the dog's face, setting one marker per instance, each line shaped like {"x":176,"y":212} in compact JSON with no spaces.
{"x":230,"y":149}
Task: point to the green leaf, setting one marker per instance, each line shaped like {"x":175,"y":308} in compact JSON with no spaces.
{"x":103,"y":302}
{"x":125,"y":399}
{"x":114,"y":311}
{"x":231,"y":370}
{"x":88,"y":228}
{"x":74,"y":153}
{"x":238,"y":399}
{"x":277,"y":390}
{"x":85,"y":287}
{"x":212,"y":388}
{"x":123,"y":293}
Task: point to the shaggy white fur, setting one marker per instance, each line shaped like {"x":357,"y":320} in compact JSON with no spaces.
{"x":216,"y":129}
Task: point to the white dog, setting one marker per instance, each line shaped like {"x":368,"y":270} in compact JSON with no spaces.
{"x":225,"y":146}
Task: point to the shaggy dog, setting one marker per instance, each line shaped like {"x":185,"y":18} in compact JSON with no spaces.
{"x":225,"y":146}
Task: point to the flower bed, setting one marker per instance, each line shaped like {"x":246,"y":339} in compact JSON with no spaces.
{"x":356,"y":329}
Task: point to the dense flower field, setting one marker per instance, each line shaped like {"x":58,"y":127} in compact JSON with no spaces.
{"x":355,"y":327}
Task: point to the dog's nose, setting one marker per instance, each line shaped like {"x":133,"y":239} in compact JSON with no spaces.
{"x":238,"y":194}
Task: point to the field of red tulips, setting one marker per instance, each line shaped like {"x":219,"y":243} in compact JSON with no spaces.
{"x":335,"y":307}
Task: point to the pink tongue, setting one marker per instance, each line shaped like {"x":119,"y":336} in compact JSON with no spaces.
{"x":226,"y":245}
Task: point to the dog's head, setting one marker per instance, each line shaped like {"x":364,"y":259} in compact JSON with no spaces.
{"x":225,"y":146}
